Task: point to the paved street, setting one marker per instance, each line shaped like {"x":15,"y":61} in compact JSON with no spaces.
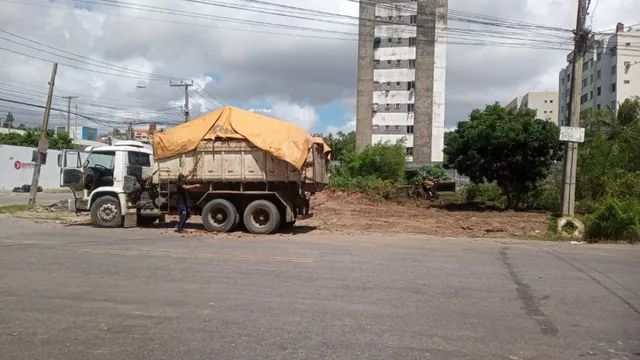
{"x":75,"y":292}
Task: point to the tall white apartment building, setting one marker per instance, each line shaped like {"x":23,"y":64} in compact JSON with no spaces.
{"x":401,"y":76}
{"x":544,"y":103}
{"x":611,"y":72}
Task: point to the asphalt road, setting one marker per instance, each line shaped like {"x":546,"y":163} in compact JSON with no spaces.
{"x":77,"y":292}
{"x":11,"y":198}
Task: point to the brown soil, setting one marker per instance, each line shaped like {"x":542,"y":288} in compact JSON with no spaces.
{"x":355,"y":214}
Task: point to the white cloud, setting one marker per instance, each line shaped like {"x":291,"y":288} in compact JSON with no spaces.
{"x":345,"y":128}
{"x":304,"y":116}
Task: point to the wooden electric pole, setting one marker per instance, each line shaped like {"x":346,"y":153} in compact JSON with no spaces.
{"x":42,"y":144}
{"x":571,"y":148}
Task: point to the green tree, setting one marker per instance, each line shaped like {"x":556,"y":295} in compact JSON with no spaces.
{"x":8,"y":121}
{"x":340,"y":143}
{"x":511,"y":148}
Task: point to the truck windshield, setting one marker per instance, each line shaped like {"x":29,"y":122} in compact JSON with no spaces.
{"x":101,"y":159}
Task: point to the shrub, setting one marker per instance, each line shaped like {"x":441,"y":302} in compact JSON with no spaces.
{"x":480,"y":193}
{"x":616,"y":219}
{"x":435,"y":172}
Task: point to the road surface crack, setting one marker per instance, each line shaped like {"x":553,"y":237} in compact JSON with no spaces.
{"x":525,"y":294}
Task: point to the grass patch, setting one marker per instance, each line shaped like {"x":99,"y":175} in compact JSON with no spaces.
{"x":12,"y":209}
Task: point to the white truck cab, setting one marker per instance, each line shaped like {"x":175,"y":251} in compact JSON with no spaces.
{"x":109,"y":182}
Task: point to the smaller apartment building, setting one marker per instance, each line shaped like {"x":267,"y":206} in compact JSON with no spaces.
{"x":544,"y":103}
{"x":611,"y":72}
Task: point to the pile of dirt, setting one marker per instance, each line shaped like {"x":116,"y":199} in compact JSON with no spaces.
{"x":355,"y":214}
{"x":61,"y":206}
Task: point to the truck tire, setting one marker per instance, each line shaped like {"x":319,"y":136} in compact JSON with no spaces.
{"x":261,"y":217}
{"x":105,"y":212}
{"x":219,"y":215}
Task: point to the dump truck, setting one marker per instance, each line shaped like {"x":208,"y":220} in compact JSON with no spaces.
{"x":249,"y":169}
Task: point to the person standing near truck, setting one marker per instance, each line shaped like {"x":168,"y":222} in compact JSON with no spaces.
{"x":182,"y":201}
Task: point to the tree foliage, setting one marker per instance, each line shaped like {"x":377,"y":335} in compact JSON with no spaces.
{"x":340,"y":143}
{"x":608,"y":179}
{"x":31,"y":138}
{"x":511,"y":148}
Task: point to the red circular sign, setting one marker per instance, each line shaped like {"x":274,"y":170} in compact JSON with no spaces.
{"x":17,"y":165}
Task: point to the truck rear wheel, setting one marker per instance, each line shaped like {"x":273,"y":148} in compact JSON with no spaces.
{"x":219,"y":215}
{"x":261,"y":217}
{"x":105,"y":212}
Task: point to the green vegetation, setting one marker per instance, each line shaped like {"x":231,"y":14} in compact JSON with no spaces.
{"x":377,"y":171}
{"x":608,"y":179}
{"x":12,"y":209}
{"x":30,"y":139}
{"x":433,"y":172}
{"x":340,"y":143}
{"x":480,"y":194}
{"x":512,"y":149}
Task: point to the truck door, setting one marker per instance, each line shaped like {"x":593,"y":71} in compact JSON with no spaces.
{"x":71,"y":172}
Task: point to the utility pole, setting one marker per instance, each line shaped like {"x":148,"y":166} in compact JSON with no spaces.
{"x":69,"y":98}
{"x":186,"y":95}
{"x":42,"y":144}
{"x":571,"y":148}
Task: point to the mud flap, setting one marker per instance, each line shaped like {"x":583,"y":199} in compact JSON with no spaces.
{"x":130,"y":220}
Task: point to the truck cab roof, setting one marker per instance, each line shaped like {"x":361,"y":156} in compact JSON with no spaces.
{"x":122,"y":146}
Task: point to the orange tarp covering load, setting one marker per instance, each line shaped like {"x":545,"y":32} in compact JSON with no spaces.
{"x":281,"y":139}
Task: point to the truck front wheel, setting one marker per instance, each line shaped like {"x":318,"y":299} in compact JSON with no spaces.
{"x":219,"y":215}
{"x":105,"y":212}
{"x":261,"y":217}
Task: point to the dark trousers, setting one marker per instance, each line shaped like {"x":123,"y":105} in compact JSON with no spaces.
{"x":185,"y":214}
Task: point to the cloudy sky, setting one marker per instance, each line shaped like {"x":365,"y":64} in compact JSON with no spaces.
{"x":287,"y":72}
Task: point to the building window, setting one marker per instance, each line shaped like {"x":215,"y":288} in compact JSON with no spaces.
{"x":409,"y":151}
{"x":585,"y":82}
{"x":590,"y":79}
{"x":376,"y":62}
{"x":551,"y":101}
{"x":388,"y":62}
{"x":613,"y":70}
{"x":398,"y":62}
{"x":397,"y":106}
{"x":400,"y":17}
{"x":397,"y":127}
{"x":590,"y":95}
{"x":375,"y":127}
{"x":410,"y":129}
{"x":386,"y":127}
{"x":390,"y":18}
{"x":412,"y":41}
{"x":627,"y":44}
{"x":599,"y":91}
{"x":598,"y":106}
{"x":410,"y":107}
{"x":584,"y":98}
{"x":545,"y":101}
{"x":412,"y":64}
{"x":387,"y":106}
{"x":550,"y":111}
{"x":545,"y":111}
{"x":613,"y":87}
{"x":413,"y":19}
{"x":599,"y":74}
{"x":399,"y":40}
{"x":397,"y":84}
{"x":599,"y":55}
{"x":411,"y":85}
{"x":389,"y":40}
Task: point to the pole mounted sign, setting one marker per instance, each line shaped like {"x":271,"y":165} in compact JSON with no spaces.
{"x":572,"y":134}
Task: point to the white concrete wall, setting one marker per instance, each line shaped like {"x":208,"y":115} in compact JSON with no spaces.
{"x":381,"y":118}
{"x":393,"y":138}
{"x":439,"y":77}
{"x":395,"y":53}
{"x":395,"y":31}
{"x":396,"y":9}
{"x":17,"y":169}
{"x":393,"y":97}
{"x":393,"y":75}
